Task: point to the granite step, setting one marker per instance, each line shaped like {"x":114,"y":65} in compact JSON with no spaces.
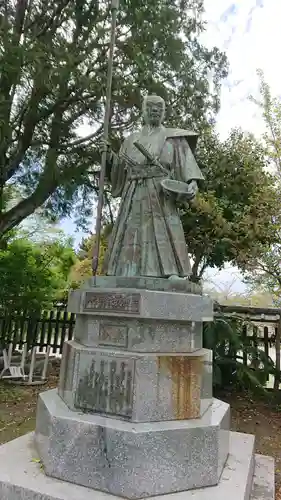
{"x":245,"y":477}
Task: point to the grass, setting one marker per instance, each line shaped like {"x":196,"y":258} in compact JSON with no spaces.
{"x":18,"y":407}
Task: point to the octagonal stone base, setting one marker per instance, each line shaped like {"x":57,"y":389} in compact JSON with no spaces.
{"x":133,"y":460}
{"x":245,"y":476}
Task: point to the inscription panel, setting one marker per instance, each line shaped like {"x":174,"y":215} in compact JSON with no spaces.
{"x":105,"y":386}
{"x":120,"y":303}
{"x":113,"y":334}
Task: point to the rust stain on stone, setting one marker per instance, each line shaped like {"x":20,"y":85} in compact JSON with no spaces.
{"x":186,"y":374}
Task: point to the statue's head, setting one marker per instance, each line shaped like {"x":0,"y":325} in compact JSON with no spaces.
{"x":153,"y":110}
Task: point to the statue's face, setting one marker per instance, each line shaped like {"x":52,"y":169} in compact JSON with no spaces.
{"x":153,"y":111}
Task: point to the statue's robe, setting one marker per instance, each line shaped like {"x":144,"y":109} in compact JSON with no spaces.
{"x":148,"y":238}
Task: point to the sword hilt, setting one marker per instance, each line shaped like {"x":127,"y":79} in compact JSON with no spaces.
{"x":150,"y":157}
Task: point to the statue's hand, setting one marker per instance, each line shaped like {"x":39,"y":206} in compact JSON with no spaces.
{"x":192,"y":189}
{"x":187,"y":197}
{"x":105,"y":147}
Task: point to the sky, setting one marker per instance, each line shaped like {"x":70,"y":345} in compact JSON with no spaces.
{"x":249,"y":32}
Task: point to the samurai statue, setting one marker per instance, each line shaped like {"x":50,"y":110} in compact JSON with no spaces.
{"x":154,"y":170}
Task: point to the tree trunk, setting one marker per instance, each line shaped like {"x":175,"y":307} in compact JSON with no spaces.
{"x":26,"y":207}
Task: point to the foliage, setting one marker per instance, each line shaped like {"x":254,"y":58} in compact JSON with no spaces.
{"x":9,"y":195}
{"x":82,"y":269}
{"x":270,"y":108}
{"x":231,"y":219}
{"x":226,"y":338}
{"x":53,"y":62}
{"x":33,"y":275}
{"x":264,"y":272}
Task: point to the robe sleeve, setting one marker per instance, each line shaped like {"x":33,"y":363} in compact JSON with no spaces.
{"x":184,"y":164}
{"x":118,"y":175}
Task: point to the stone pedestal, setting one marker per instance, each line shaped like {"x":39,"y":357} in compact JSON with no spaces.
{"x":245,"y":476}
{"x":137,"y":372}
{"x":134,"y":414}
{"x":133,"y":460}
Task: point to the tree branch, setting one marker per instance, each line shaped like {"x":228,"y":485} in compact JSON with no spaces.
{"x":81,"y":140}
{"x":30,"y":121}
{"x":54,"y":21}
{"x":21,"y":8}
{"x":47,"y":184}
{"x":275,"y":275}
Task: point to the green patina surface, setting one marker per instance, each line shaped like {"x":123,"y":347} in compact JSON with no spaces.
{"x":148,"y":237}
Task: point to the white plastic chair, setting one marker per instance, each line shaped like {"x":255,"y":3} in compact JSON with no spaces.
{"x":12,"y":371}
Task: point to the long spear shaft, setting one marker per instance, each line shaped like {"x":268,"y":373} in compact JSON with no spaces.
{"x":95,"y":262}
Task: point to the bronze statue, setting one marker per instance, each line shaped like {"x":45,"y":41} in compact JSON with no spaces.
{"x":154,"y":170}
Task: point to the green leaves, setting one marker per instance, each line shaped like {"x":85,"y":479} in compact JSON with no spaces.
{"x":263,"y":271}
{"x":226,"y":338}
{"x":231,"y":220}
{"x":33,"y":275}
{"x":83,"y":267}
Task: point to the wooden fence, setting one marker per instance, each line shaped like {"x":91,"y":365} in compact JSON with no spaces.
{"x":261,"y":325}
{"x":47,"y":328}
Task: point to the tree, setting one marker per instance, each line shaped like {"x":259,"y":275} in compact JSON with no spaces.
{"x":231,"y":220}
{"x":33,"y":275}
{"x":270,"y":108}
{"x":52,"y":83}
{"x":82,"y":269}
{"x":242,"y":299}
{"x":264,"y":272}
{"x":222,"y":292}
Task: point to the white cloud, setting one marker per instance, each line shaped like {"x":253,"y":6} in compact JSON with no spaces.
{"x":249,"y":32}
